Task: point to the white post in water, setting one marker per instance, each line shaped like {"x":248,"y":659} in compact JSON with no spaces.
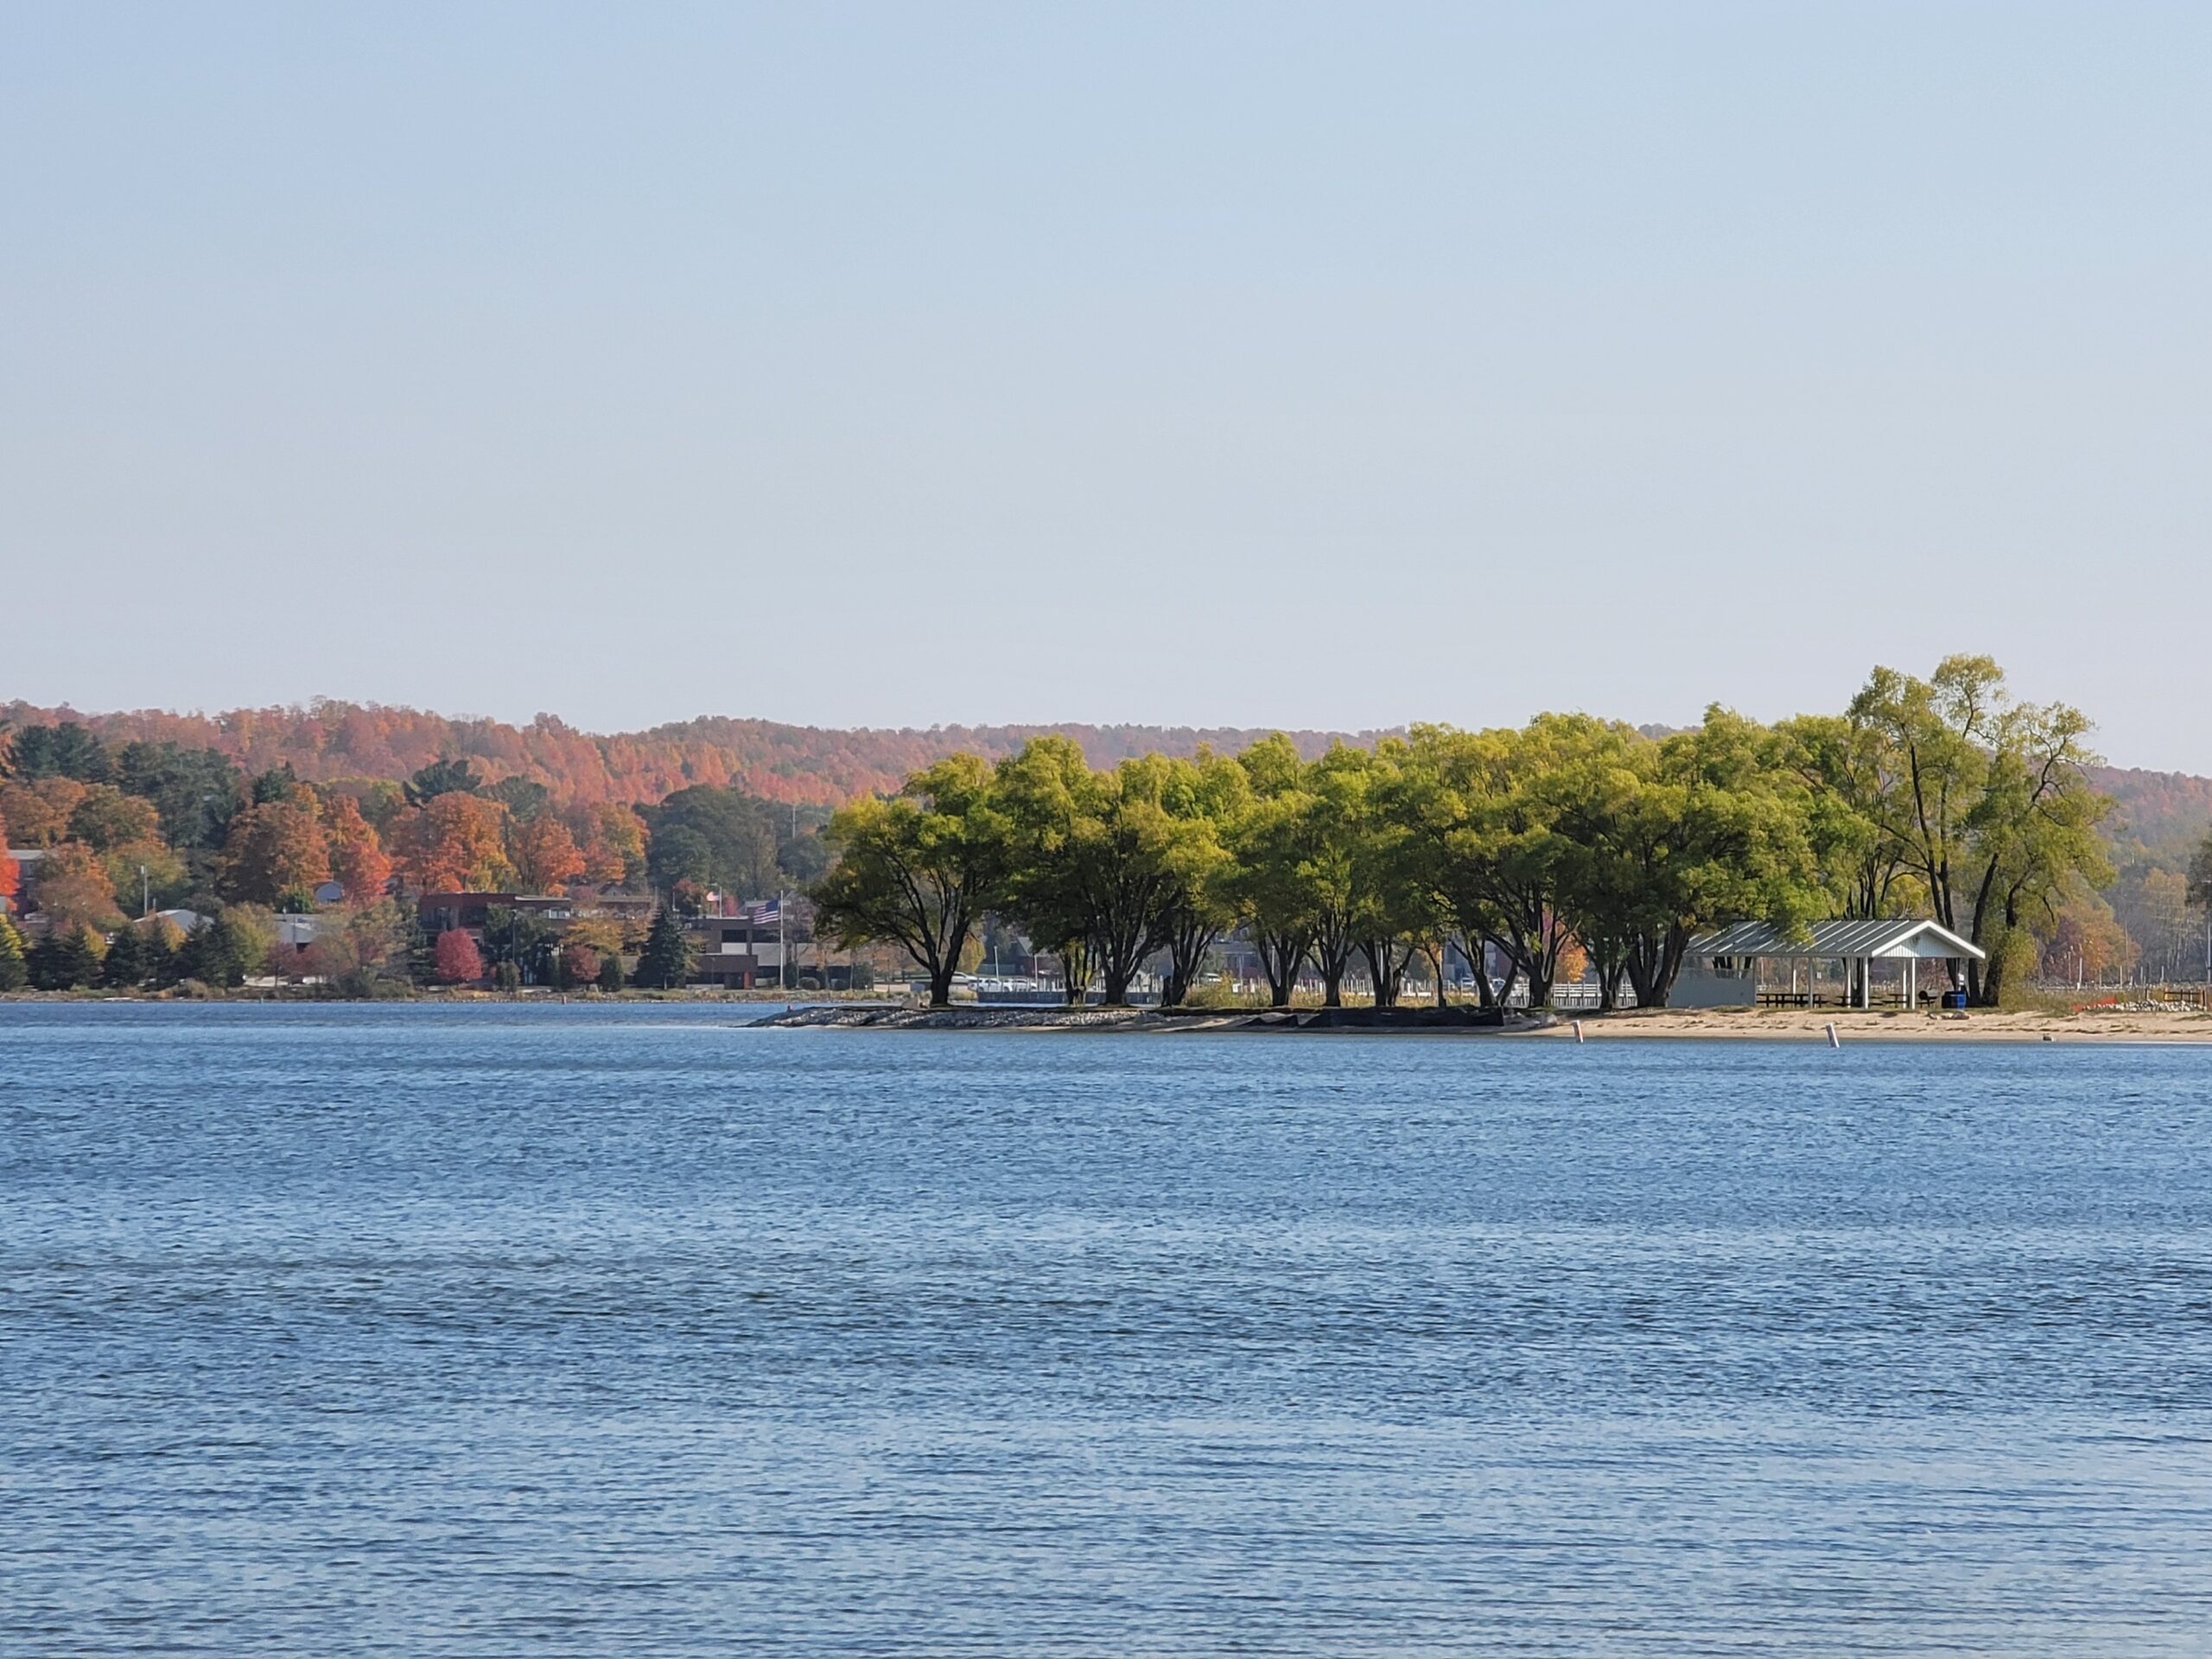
{"x":1833,"y":1040}
{"x":1578,"y":1030}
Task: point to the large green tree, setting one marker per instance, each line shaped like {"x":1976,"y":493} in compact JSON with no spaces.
{"x":713,"y":837}
{"x":1989,"y":804}
{"x":919,"y":869}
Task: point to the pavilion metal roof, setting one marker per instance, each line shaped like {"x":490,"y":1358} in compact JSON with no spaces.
{"x":1894,"y":937}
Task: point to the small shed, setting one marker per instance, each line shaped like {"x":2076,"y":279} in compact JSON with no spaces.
{"x":1732,"y":955}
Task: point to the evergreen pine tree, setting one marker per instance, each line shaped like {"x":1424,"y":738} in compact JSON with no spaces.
{"x":210,"y":955}
{"x":161,"y":957}
{"x":666,"y":963}
{"x":610,"y":971}
{"x":125,"y":967}
{"x":67,"y":961}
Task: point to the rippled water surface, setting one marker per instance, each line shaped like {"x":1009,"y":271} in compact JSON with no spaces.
{"x":566,"y":1331}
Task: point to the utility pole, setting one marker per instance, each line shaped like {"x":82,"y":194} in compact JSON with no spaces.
{"x":145,"y":894}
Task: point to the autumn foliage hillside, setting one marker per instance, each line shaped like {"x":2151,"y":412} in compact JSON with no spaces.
{"x":2163,"y":810}
{"x":325,"y":742}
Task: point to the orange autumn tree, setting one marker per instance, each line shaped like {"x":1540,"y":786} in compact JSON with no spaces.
{"x":74,"y":891}
{"x":272,"y":849}
{"x":358,"y":861}
{"x":613,"y":841}
{"x":40,"y":810}
{"x":455,"y":844}
{"x":6,"y":871}
{"x":544,"y":855}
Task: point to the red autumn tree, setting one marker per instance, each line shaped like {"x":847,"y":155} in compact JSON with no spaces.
{"x":544,"y":855}
{"x":7,"y":870}
{"x":455,"y":844}
{"x":276,"y":848}
{"x":358,"y":861}
{"x":457,"y":959}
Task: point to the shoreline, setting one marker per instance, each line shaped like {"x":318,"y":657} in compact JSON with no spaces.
{"x":857,"y":1011}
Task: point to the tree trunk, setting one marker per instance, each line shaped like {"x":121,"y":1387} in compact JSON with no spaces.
{"x":941,"y":985}
{"x":1186,"y":954}
{"x":1281,"y":954}
{"x":1476,"y":948}
{"x":1076,"y":964}
{"x":1330,"y":954}
{"x":1382,"y":967}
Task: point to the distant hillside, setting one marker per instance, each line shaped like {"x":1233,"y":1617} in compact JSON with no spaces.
{"x":2167,"y":811}
{"x":807,"y":764}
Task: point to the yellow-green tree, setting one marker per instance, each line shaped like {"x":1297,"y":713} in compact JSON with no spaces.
{"x":1267,"y":881}
{"x":1100,"y":860}
{"x":1207,"y":796}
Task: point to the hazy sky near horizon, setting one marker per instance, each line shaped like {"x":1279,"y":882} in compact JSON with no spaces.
{"x":1253,"y":364}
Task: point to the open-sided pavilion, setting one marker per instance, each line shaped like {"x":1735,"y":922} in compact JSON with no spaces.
{"x":1736,"y":953}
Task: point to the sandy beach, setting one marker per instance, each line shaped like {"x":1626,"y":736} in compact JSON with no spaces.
{"x":1882,"y":1026}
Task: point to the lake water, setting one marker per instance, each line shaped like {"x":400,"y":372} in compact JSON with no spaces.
{"x":563,"y":1331}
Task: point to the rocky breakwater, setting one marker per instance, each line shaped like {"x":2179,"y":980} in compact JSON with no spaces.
{"x":894,"y":1017}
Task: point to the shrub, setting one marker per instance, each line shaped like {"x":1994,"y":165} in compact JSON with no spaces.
{"x":14,"y":972}
{"x":457,"y":960}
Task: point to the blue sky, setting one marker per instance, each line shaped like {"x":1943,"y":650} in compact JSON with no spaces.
{"x":1265,"y":365}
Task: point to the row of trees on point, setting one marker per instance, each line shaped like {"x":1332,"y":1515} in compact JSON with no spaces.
{"x":1570,"y":837}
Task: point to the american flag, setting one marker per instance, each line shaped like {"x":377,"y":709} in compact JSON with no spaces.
{"x":764,"y":913}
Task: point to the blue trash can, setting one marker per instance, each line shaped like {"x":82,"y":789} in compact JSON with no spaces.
{"x":1954,"y":999}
